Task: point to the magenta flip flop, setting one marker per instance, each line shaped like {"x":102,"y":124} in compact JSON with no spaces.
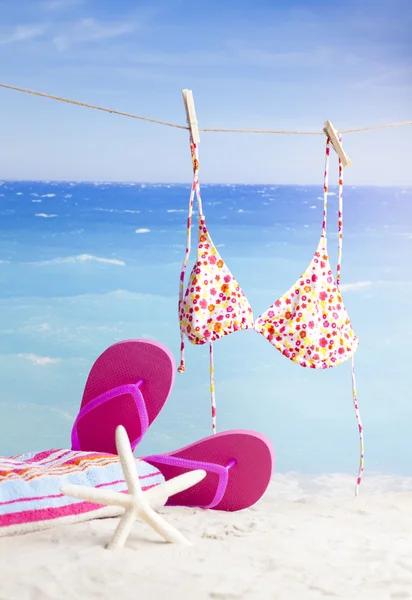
{"x":239,"y":467}
{"x":128,"y":385}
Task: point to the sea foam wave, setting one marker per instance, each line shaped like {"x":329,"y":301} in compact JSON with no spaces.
{"x":81,"y":258}
{"x":39,"y":360}
{"x":117,"y":210}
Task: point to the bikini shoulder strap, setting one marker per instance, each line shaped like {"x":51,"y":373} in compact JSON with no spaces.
{"x":195,"y":189}
{"x":340,"y":220}
{"x":325,"y":188}
{"x":340,"y":206}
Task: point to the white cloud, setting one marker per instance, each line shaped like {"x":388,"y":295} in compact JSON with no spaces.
{"x":389,"y":76}
{"x":90,"y":30}
{"x":142,"y":230}
{"x":253,"y":55}
{"x":357,"y":285}
{"x":23,"y":406}
{"x":41,"y":327}
{"x":82,"y":258}
{"x":21,"y":33}
{"x":39,"y":360}
{"x":58,"y":5}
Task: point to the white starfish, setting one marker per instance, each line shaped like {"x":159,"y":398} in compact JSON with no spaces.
{"x":137,"y":503}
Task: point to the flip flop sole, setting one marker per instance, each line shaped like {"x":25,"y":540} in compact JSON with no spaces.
{"x":251,"y":456}
{"x":122,"y":364}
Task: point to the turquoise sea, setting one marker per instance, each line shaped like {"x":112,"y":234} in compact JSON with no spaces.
{"x":84,"y":265}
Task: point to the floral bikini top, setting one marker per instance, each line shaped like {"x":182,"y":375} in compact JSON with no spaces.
{"x":308,"y":324}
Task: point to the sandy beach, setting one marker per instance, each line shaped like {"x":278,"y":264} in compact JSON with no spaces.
{"x":307,"y":538}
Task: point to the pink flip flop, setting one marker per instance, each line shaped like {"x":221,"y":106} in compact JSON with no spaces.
{"x":128,"y":385}
{"x":239,"y":467}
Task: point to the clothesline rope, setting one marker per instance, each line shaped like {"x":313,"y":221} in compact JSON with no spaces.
{"x":213,"y":130}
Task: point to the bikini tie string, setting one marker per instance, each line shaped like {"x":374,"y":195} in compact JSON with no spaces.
{"x":181,"y":367}
{"x":212,"y":388}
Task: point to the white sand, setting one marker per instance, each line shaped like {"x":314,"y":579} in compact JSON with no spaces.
{"x":305,"y":539}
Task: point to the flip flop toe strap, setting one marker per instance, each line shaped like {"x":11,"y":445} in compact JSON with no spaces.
{"x":189,"y":465}
{"x":130,"y":388}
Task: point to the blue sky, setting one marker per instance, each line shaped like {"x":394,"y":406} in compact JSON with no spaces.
{"x":251,"y":64}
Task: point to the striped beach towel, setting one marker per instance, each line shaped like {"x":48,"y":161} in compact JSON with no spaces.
{"x":30,"y":496}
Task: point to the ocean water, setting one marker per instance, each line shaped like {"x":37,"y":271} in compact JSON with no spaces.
{"x":85,"y":265}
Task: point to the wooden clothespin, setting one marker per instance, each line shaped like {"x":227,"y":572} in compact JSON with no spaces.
{"x":331,"y":132}
{"x":191,"y":115}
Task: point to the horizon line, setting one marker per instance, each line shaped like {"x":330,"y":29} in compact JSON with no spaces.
{"x":188,"y":183}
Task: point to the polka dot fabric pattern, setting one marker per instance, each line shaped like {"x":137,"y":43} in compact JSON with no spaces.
{"x":309,"y":323}
{"x":214,"y":305}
